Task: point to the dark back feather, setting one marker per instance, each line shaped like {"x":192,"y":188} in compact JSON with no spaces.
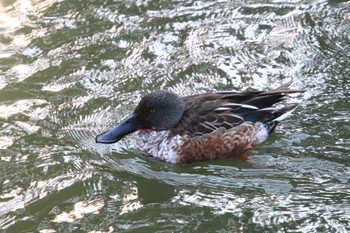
{"x":207,"y":112}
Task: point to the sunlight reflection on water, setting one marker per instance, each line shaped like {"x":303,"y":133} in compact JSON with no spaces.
{"x":71,"y":69}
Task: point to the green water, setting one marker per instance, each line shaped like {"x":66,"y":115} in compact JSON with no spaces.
{"x":72,"y":69}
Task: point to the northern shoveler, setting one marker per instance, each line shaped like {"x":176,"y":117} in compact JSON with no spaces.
{"x":204,"y":126}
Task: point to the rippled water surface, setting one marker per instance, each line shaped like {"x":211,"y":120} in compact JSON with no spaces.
{"x":71,"y":69}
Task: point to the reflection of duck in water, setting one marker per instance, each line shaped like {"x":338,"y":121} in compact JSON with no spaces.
{"x":204,"y":126}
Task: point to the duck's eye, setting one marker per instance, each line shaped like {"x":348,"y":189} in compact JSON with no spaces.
{"x":152,"y":110}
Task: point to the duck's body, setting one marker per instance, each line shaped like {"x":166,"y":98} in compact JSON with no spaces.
{"x":202,"y":127}
{"x":220,"y":144}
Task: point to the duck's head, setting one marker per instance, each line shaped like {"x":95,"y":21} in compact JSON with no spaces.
{"x":158,"y":110}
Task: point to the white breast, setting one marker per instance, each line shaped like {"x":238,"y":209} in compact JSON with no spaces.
{"x":158,"y":145}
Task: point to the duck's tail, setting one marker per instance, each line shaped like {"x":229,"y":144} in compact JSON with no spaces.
{"x":265,"y":129}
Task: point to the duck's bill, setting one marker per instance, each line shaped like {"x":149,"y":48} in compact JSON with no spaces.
{"x":129,"y":125}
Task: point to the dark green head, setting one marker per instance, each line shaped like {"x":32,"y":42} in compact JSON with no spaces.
{"x":160,"y":110}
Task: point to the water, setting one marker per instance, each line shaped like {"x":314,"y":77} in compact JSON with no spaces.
{"x":71,"y":69}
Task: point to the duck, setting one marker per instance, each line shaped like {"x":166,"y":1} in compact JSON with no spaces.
{"x":201,"y":127}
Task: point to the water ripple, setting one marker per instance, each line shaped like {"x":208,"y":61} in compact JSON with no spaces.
{"x":71,"y":69}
